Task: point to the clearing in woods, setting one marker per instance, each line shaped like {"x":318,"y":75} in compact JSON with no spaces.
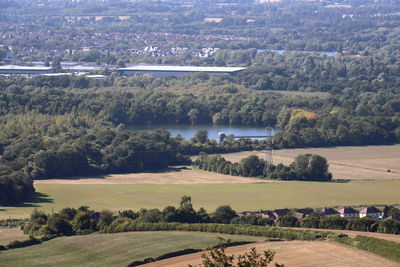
{"x":346,"y":162}
{"x":295,"y":253}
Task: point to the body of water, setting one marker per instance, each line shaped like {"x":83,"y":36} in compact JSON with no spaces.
{"x":187,"y":131}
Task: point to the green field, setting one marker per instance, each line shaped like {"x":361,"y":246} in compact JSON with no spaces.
{"x":110,"y":249}
{"x":239,"y":196}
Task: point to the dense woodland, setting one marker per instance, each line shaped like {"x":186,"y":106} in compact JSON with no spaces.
{"x":62,"y":127}
{"x":75,"y":126}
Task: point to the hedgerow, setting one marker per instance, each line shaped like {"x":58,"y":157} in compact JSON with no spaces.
{"x":384,"y":248}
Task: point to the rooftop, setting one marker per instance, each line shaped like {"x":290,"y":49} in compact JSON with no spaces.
{"x":329,"y":211}
{"x":348,"y":210}
{"x":370,"y":209}
{"x":181,"y":68}
{"x":18,"y":67}
{"x":56,"y":74}
{"x":82,"y":68}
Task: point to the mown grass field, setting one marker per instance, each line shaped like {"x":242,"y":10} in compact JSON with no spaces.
{"x":240,"y":196}
{"x":110,"y":249}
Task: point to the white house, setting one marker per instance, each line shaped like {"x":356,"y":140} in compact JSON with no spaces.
{"x":349,"y":212}
{"x":371,"y":212}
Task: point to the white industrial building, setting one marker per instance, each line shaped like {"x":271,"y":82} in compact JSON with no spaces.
{"x":28,"y":70}
{"x":70,"y":68}
{"x":166,"y":70}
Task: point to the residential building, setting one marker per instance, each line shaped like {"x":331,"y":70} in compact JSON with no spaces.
{"x":371,"y":212}
{"x":349,"y":212}
{"x":326,"y":212}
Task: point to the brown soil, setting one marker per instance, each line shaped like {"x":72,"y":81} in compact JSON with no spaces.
{"x":295,"y":253}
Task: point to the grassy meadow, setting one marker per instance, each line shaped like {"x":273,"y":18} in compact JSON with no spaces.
{"x":110,"y":249}
{"x":252,"y":196}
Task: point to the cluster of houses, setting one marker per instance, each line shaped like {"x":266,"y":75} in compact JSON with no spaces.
{"x":154,"y":51}
{"x":345,"y":212}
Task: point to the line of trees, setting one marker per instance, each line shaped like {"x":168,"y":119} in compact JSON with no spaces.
{"x":70,"y":221}
{"x":224,"y":219}
{"x":366,"y":224}
{"x":304,"y":168}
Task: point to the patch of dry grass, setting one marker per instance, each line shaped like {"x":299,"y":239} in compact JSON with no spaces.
{"x":11,"y":234}
{"x":295,"y":253}
{"x":349,"y":162}
{"x":184,"y":176}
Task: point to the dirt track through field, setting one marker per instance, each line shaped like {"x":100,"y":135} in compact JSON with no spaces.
{"x":349,"y":162}
{"x":172,"y":177}
{"x":295,"y":253}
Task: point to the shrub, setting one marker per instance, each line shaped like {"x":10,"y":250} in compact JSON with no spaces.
{"x":124,"y":225}
{"x":389,"y":227}
{"x":25,"y":243}
{"x":310,"y":222}
{"x":58,"y":225}
{"x":223,"y":214}
{"x":384,"y":248}
{"x":363,"y":224}
{"x":333,"y":222}
{"x":288,"y":221}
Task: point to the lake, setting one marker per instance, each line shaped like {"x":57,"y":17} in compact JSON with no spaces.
{"x":187,"y":131}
